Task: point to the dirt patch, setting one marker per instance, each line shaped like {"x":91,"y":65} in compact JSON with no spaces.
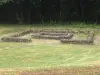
{"x":66,"y":71}
{"x":90,"y":70}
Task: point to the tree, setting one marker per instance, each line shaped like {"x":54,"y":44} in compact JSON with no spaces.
{"x":51,"y":10}
{"x":3,"y":1}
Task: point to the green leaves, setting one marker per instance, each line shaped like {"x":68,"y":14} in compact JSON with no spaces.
{"x":3,"y":1}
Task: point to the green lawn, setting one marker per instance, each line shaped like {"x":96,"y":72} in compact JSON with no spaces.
{"x":18,"y":55}
{"x":46,"y":53}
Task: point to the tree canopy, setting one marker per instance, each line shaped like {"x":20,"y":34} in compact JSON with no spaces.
{"x":3,"y":1}
{"x":32,"y":11}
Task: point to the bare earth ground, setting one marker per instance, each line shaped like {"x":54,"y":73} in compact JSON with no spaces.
{"x":66,"y":71}
{"x":61,"y":71}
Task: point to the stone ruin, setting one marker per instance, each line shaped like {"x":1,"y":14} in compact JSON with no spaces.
{"x":88,"y":40}
{"x":64,"y":36}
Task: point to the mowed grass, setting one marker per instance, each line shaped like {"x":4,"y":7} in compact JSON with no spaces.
{"x":18,"y":55}
{"x":45,"y":53}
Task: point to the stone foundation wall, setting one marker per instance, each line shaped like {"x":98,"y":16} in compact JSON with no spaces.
{"x":55,"y":37}
{"x":65,"y":36}
{"x":89,"y":40}
{"x":76,"y":41}
{"x":14,"y":39}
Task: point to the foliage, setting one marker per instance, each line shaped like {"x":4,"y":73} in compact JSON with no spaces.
{"x":40,"y":11}
{"x":3,"y":1}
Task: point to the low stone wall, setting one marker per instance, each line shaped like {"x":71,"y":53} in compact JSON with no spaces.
{"x":76,"y":41}
{"x":14,"y":39}
{"x":89,"y":40}
{"x":91,"y":36}
{"x":69,"y":36}
{"x":65,"y":36}
{"x":53,"y":34}
{"x":50,"y":32}
{"x":21,"y":33}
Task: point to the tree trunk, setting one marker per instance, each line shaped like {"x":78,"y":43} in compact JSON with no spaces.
{"x":29,"y":15}
{"x":17,"y":17}
{"x":21,"y":17}
{"x":61,"y":17}
{"x":21,"y":14}
{"x":41,"y":17}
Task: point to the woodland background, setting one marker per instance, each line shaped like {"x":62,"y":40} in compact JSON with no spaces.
{"x":49,"y":11}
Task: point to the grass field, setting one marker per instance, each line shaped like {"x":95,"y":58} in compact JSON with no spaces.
{"x":46,"y":54}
